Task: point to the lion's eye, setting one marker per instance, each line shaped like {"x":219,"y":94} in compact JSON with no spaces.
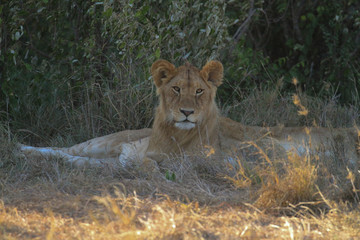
{"x":199,"y":91}
{"x":176,"y":89}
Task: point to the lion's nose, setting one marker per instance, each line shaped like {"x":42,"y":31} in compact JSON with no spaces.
{"x":186,"y":112}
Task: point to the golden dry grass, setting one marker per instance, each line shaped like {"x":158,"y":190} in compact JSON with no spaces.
{"x":132,"y":217}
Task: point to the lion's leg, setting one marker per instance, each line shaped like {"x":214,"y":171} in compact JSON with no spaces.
{"x":60,"y":153}
{"x":134,"y":152}
{"x":109,"y":146}
{"x":99,"y":150}
{"x":340,"y":144}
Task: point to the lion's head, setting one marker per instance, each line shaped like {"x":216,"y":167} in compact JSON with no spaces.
{"x":187,"y":94}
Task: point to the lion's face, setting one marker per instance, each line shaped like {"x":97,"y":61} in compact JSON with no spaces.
{"x":187,"y":97}
{"x":186,"y":93}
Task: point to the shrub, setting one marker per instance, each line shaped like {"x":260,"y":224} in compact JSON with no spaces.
{"x":315,"y":41}
{"x":84,"y":65}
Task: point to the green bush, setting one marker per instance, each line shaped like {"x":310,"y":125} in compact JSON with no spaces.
{"x":84,"y":65}
{"x":315,"y":41}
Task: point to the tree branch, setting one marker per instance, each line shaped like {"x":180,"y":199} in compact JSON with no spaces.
{"x":244,"y":26}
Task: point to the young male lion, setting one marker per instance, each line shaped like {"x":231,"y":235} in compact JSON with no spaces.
{"x":187,"y":122}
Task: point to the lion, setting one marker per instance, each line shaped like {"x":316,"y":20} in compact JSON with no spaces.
{"x":188,"y":122}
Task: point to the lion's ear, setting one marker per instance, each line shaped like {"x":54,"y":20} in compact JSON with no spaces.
{"x":213,"y":72}
{"x":161,"y":71}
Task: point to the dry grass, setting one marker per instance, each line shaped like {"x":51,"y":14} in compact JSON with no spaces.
{"x":271,"y":108}
{"x":134,"y":217}
{"x":296,"y":185}
{"x":100,"y":107}
{"x":263,"y":198}
{"x":47,"y":199}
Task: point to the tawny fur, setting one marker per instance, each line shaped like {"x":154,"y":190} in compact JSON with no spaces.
{"x":187,"y":120}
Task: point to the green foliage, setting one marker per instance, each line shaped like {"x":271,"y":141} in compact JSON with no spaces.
{"x":84,"y":65}
{"x":175,"y":30}
{"x":315,"y":41}
{"x":169,"y":175}
{"x":39,"y":53}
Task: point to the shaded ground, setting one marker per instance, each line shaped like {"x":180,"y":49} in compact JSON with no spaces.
{"x":45,"y":198}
